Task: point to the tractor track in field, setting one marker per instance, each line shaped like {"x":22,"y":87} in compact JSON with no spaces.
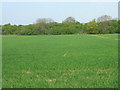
{"x":107,"y":37}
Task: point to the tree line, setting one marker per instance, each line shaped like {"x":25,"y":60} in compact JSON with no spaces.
{"x":46,"y":26}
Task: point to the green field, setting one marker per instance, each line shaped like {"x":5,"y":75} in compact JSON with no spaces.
{"x":60,"y":61}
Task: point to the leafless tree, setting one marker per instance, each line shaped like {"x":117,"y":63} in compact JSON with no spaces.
{"x":44,"y":20}
{"x":70,"y":19}
{"x":104,"y":23}
{"x":104,"y":18}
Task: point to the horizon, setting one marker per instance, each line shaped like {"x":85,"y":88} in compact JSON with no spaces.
{"x":24,"y":13}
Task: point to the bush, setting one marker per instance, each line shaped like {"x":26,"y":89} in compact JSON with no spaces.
{"x":54,"y":28}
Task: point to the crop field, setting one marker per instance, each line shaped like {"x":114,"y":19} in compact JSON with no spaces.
{"x":60,"y":61}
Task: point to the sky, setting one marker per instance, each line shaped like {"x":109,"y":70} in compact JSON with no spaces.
{"x":28,"y":12}
{"x":59,"y":0}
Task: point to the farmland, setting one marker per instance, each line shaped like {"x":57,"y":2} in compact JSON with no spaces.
{"x":60,"y":61}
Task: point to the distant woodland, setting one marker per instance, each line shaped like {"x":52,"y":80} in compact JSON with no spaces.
{"x":47,"y":26}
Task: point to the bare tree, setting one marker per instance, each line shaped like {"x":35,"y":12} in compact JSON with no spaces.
{"x":44,"y":20}
{"x":42,"y":24}
{"x":70,"y":19}
{"x":104,"y":23}
{"x":104,"y":18}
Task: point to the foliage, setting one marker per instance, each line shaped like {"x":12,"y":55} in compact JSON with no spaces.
{"x":64,"y":28}
{"x":46,"y":26}
{"x":92,"y":27}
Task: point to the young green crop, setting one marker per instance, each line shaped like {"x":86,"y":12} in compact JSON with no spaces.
{"x":60,"y":61}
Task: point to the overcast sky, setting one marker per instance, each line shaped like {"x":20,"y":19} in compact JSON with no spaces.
{"x":28,"y":12}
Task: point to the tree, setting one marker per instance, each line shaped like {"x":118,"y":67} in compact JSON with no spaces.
{"x":46,"y":26}
{"x":44,"y":20}
{"x":104,"y":18}
{"x":113,"y":26}
{"x":7,"y":29}
{"x":0,"y":29}
{"x":104,"y":23}
{"x":118,"y":26}
{"x":104,"y":27}
{"x":70,"y":19}
{"x":92,"y":27}
{"x":42,"y":24}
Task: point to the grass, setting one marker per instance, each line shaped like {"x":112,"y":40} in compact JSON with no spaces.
{"x":60,"y":61}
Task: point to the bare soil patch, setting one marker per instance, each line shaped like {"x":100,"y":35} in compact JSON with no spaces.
{"x":65,"y":54}
{"x":51,"y":80}
{"x":116,"y":39}
{"x":101,"y":37}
